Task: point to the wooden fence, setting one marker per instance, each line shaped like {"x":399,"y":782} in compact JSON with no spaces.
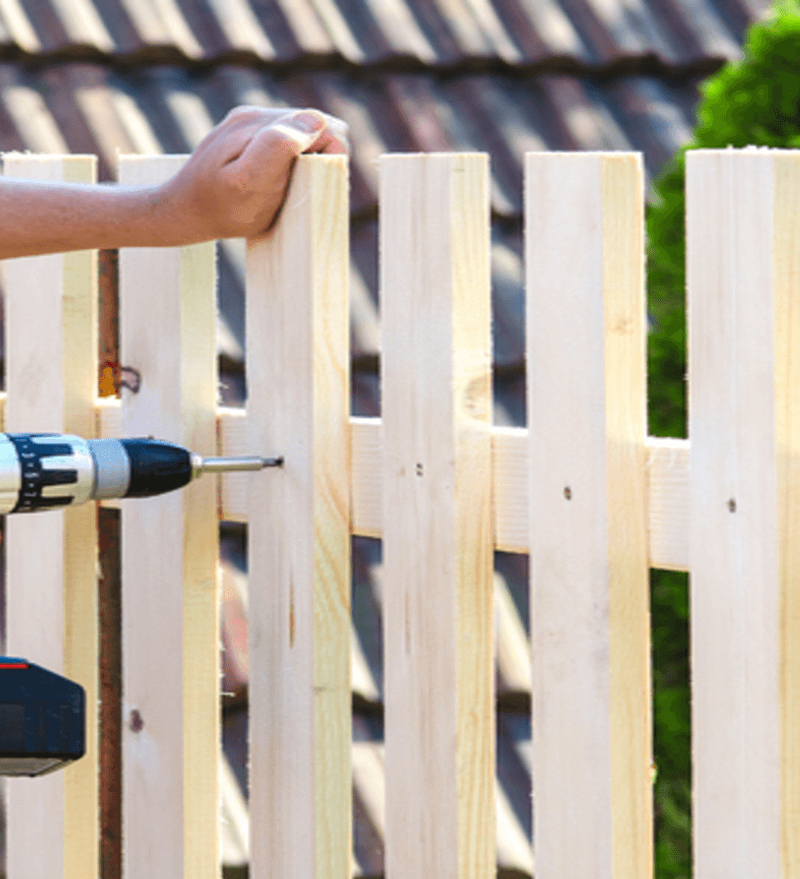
{"x":583,"y":490}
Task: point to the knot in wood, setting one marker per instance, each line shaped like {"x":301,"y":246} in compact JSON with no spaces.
{"x":135,"y":721}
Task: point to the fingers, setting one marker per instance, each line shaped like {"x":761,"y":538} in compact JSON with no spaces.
{"x":328,"y":142}
{"x":302,"y":130}
{"x":254,"y":118}
{"x":246,"y":114}
{"x":307,"y":130}
{"x":337,"y":131}
{"x":236,"y":179}
{"x":281,"y":142}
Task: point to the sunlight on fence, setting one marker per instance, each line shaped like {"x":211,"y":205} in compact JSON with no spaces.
{"x":582,"y":490}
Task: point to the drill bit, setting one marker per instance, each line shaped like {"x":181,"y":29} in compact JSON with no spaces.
{"x":231,"y":465}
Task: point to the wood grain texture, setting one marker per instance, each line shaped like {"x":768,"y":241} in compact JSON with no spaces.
{"x":51,"y":345}
{"x":437,"y":540}
{"x":735,"y":602}
{"x":169,"y":561}
{"x":666,"y":467}
{"x":588,"y":547}
{"x":667,"y":481}
{"x":625,"y":355}
{"x":233,"y":436}
{"x":366,"y":477}
{"x":299,"y":536}
{"x":744,"y":428}
{"x":787,"y":414}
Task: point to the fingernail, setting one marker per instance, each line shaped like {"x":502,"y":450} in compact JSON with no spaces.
{"x":307,"y":122}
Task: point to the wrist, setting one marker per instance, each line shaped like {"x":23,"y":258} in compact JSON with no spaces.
{"x":157,"y":218}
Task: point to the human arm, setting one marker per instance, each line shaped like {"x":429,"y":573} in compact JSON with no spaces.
{"x":233,"y":185}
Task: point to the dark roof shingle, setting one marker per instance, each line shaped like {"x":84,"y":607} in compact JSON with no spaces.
{"x":363,"y":32}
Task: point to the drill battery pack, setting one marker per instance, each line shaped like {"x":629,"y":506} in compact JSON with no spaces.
{"x":42,"y":719}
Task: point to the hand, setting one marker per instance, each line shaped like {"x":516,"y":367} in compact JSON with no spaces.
{"x":236,"y":180}
{"x":232,"y":186}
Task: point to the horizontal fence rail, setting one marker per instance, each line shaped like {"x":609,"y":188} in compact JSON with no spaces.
{"x":582,"y":490}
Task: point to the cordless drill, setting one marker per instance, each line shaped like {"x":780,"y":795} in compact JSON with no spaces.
{"x":42,"y":715}
{"x":40,"y":471}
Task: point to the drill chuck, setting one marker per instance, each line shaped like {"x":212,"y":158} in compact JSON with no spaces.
{"x":46,"y":471}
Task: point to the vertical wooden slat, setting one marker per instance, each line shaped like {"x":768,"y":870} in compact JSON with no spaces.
{"x":51,"y":343}
{"x":170,"y":625}
{"x":742,"y":272}
{"x":298,"y":537}
{"x":437,"y":540}
{"x":787,"y":399}
{"x":588,"y":550}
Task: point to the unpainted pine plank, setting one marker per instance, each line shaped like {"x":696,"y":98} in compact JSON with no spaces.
{"x":738,"y":394}
{"x":298,"y":534}
{"x":232,"y":439}
{"x":108,"y":417}
{"x":626,"y":486}
{"x":588,"y":544}
{"x":787,"y":413}
{"x":51,"y":342}
{"x":437,"y":529}
{"x":510,"y":488}
{"x":169,"y":560}
{"x":366,"y":494}
{"x":571,"y":770}
{"x":201,"y":622}
{"x":667,"y":469}
{"x":733,"y":516}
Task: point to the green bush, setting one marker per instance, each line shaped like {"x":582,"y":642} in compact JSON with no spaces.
{"x":755,"y":101}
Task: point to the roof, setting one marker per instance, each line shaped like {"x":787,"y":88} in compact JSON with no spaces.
{"x":429,"y":33}
{"x":497,"y":76}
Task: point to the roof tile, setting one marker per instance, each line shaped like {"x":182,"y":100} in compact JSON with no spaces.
{"x":303,"y":21}
{"x":244,"y":30}
{"x":364,"y":32}
{"x":147,"y":25}
{"x":16,"y":27}
{"x":83,"y":25}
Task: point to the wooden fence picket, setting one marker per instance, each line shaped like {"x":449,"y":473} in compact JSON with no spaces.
{"x":298,"y":381}
{"x":589,"y":589}
{"x":744,"y":422}
{"x":51,"y":380}
{"x":170,"y":620}
{"x":438,"y":587}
